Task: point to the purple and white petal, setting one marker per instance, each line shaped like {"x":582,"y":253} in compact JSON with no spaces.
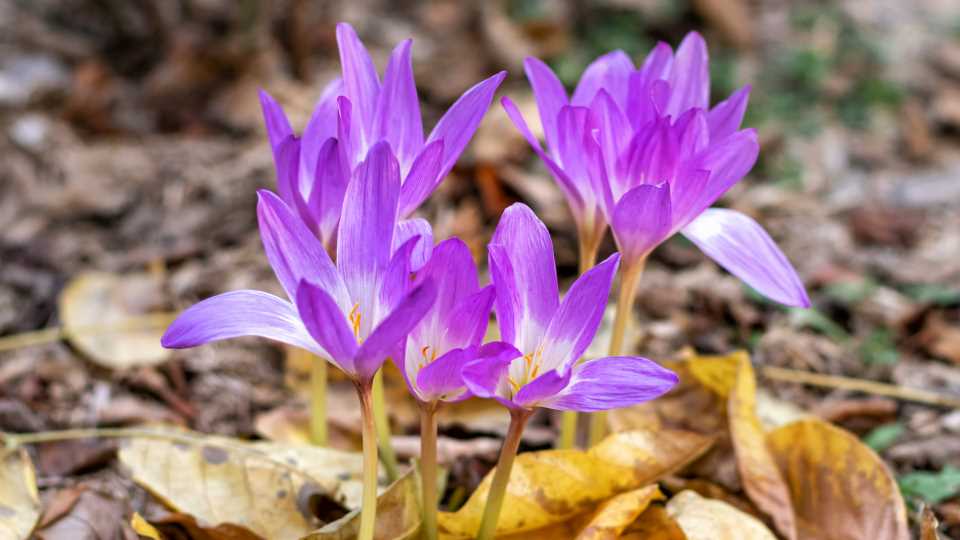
{"x":611,"y":72}
{"x":410,"y":228}
{"x":361,"y":84}
{"x":287,"y":164}
{"x":331,"y":177}
{"x":389,"y":334}
{"x":725,"y":117}
{"x":486,"y":377}
{"x":542,"y":388}
{"x":550,"y":95}
{"x":641,"y":220}
{"x":395,"y":282}
{"x":422,"y":179}
{"x":690,"y":78}
{"x":397,"y":117}
{"x":611,"y":383}
{"x":739,"y":244}
{"x":468,"y":321}
{"x":321,"y":127}
{"x":441,"y":378}
{"x":326,"y":323}
{"x":275,"y":120}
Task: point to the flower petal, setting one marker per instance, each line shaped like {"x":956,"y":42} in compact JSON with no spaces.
{"x":457,"y":125}
{"x":532,"y":287}
{"x":287,"y":163}
{"x":395,"y":283}
{"x":550,"y":96}
{"x":453,"y":271}
{"x":397,"y":118}
{"x":361,"y":84}
{"x":389,"y":335}
{"x":423,"y":178}
{"x":275,"y":120}
{"x":611,"y":72}
{"x":331,"y":177}
{"x":575,"y":324}
{"x":641,"y":220}
{"x":321,"y":127}
{"x":690,"y":78}
{"x":469,"y":319}
{"x":725,"y":117}
{"x":543,"y":387}
{"x":739,"y":244}
{"x":410,"y":228}
{"x":485,"y":376}
{"x":325,"y":321}
{"x":367,"y":224}
{"x":293,"y":251}
{"x":442,"y":378}
{"x":611,"y":383}
{"x":236,"y":314}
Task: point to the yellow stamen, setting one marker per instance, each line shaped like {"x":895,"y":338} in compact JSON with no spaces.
{"x":354,"y":317}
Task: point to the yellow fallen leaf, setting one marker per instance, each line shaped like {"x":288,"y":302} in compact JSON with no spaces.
{"x":710,"y":519}
{"x":619,"y":513}
{"x":143,"y":528}
{"x":398,"y":514}
{"x":105,"y":317}
{"x":654,"y":524}
{"x":265,"y":488}
{"x":839,"y":487}
{"x":759,"y":473}
{"x":19,"y":502}
{"x":552,"y":486}
{"x":928,"y":525}
{"x":718,"y":373}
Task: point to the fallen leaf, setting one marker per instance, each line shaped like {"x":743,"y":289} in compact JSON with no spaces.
{"x":144,"y":528}
{"x":709,"y":519}
{"x":19,"y":501}
{"x":718,"y":373}
{"x":551,"y":486}
{"x":104,"y":317}
{"x":398,"y":514}
{"x":93,"y":515}
{"x":928,"y":525}
{"x":269,"y":489}
{"x":759,"y":474}
{"x":618,"y":513}
{"x":840,"y":489}
{"x":654,"y":524}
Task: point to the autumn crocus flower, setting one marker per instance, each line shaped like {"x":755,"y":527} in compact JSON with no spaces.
{"x":355,"y":313}
{"x":543,"y":337}
{"x":355,"y":112}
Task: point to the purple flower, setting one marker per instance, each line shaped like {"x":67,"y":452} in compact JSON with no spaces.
{"x":353,"y":114}
{"x":355,"y":313}
{"x":640,"y":150}
{"x":536,"y":365}
{"x":449,"y":335}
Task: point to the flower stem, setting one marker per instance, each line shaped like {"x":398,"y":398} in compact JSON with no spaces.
{"x":428,"y":469}
{"x":383,"y":428}
{"x":318,"y":401}
{"x":368,"y":508}
{"x":629,"y":278}
{"x":589,"y":244}
{"x":498,"y":487}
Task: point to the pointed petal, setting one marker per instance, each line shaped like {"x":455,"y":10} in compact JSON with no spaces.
{"x":572,"y":125}
{"x":641,"y":107}
{"x":549,"y":94}
{"x":693,"y":132}
{"x":398,"y":108}
{"x":453,"y":271}
{"x":410,"y":228}
{"x":320,"y":128}
{"x":611,"y":383}
{"x":542,"y":388}
{"x":690,"y":79}
{"x":293,"y":251}
{"x":348,"y":133}
{"x":725,"y":117}
{"x":390,"y":333}
{"x":331,"y":177}
{"x":611,"y":72}
{"x":470,"y":318}
{"x":613,"y":131}
{"x":360,"y":81}
{"x":325,"y":321}
{"x":287,"y":163}
{"x":576,"y":322}
{"x":457,"y":125}
{"x":423,"y":178}
{"x":396,"y":281}
{"x":641,"y":220}
{"x":533,"y":284}
{"x":484,"y":376}
{"x":275,"y":120}
{"x":367,"y":224}
{"x":441,"y":378}
{"x":739,"y":244}
{"x":236,"y":314}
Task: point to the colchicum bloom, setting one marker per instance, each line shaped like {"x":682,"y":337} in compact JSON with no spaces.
{"x":354,"y":113}
{"x":356,"y":313}
{"x":544,"y":338}
{"x":640,"y":150}
{"x":449,"y":335}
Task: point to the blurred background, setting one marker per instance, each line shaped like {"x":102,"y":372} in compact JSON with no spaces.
{"x":131,"y":145}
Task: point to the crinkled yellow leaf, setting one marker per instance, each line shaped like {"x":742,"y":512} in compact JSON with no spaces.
{"x":654,"y":524}
{"x":398,"y":515}
{"x":19,"y":502}
{"x":144,"y":528}
{"x":619,"y":513}
{"x":265,"y":488}
{"x":710,"y":519}
{"x":839,"y":487}
{"x":718,"y":373}
{"x":552,"y":486}
{"x":759,"y":473}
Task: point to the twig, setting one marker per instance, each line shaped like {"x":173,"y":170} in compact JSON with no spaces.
{"x":860,"y":385}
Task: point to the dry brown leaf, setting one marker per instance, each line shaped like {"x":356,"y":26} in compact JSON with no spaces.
{"x":104,"y":316}
{"x":615,"y":515}
{"x":758,"y":471}
{"x":928,"y":525}
{"x":839,"y":487}
{"x":709,"y":519}
{"x":19,"y":501}
{"x":654,"y":524}
{"x":266,"y":488}
{"x":552,"y":486}
{"x":398,"y":514}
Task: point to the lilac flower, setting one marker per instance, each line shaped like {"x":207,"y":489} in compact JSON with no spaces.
{"x":449,"y":335}
{"x":355,"y":313}
{"x":640,"y":150}
{"x":536,"y":366}
{"x":354,"y":113}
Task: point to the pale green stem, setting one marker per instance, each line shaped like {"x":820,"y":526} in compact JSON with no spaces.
{"x":629,"y":277}
{"x":498,"y":486}
{"x":428,"y":469}
{"x":368,"y":508}
{"x":383,"y":428}
{"x":318,"y":401}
